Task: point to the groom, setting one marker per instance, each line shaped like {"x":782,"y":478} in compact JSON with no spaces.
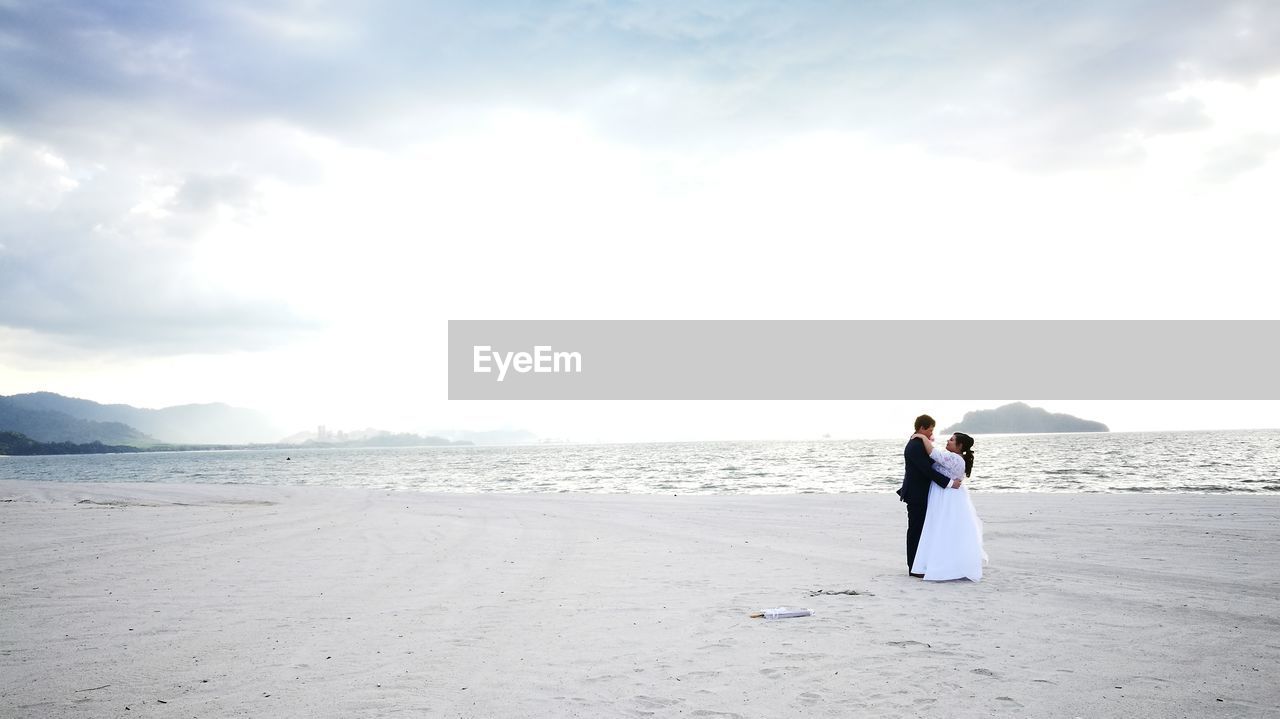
{"x":915,"y":486}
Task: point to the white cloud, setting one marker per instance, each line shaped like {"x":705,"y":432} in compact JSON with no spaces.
{"x":312,"y":190}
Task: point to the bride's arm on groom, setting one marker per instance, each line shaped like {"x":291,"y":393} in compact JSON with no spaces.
{"x":928,"y":443}
{"x":928,"y":450}
{"x":918,"y":456}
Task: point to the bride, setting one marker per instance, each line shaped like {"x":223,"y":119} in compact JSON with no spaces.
{"x":951,"y":541}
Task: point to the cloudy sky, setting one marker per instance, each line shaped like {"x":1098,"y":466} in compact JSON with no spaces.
{"x":280,"y":204}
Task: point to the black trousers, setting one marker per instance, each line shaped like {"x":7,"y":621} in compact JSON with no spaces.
{"x":915,"y":525}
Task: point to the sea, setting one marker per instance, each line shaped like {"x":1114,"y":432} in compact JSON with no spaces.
{"x":1244,"y":461}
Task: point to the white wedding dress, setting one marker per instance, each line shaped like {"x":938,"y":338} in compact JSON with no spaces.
{"x":951,"y":541}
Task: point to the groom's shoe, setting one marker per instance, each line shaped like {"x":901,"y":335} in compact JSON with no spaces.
{"x":920,"y":576}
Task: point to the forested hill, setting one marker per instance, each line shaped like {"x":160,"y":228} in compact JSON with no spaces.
{"x":1020,"y":417}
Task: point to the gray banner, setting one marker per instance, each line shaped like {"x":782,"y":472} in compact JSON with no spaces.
{"x":863,"y":359}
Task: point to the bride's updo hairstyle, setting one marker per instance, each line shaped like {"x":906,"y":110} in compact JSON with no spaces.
{"x":965,"y":443}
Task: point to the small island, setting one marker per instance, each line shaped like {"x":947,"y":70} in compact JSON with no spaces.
{"x":1022,"y":418}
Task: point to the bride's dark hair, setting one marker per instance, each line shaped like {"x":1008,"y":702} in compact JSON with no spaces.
{"x":965,"y":443}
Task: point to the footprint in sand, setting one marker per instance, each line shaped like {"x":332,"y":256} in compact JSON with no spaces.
{"x":799,"y":656}
{"x":654,"y":702}
{"x":726,"y":643}
{"x":809,"y":698}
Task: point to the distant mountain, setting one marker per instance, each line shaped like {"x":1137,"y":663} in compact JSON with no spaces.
{"x":47,"y":425}
{"x":1020,"y":417}
{"x":184,"y":424}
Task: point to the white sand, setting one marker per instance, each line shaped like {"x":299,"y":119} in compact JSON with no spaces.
{"x":277,"y":601}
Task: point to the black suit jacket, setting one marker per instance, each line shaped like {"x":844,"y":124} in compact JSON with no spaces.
{"x":920,"y":472}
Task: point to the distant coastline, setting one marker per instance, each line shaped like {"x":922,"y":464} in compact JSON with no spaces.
{"x":46,"y":423}
{"x":15,"y":444}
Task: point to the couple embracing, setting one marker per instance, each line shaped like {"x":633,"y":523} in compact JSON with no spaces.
{"x":944,"y":533}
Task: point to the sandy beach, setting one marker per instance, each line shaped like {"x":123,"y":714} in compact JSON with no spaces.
{"x":208,"y":601}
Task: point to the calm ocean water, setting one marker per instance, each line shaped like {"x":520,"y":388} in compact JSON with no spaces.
{"x":1239,"y":461}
